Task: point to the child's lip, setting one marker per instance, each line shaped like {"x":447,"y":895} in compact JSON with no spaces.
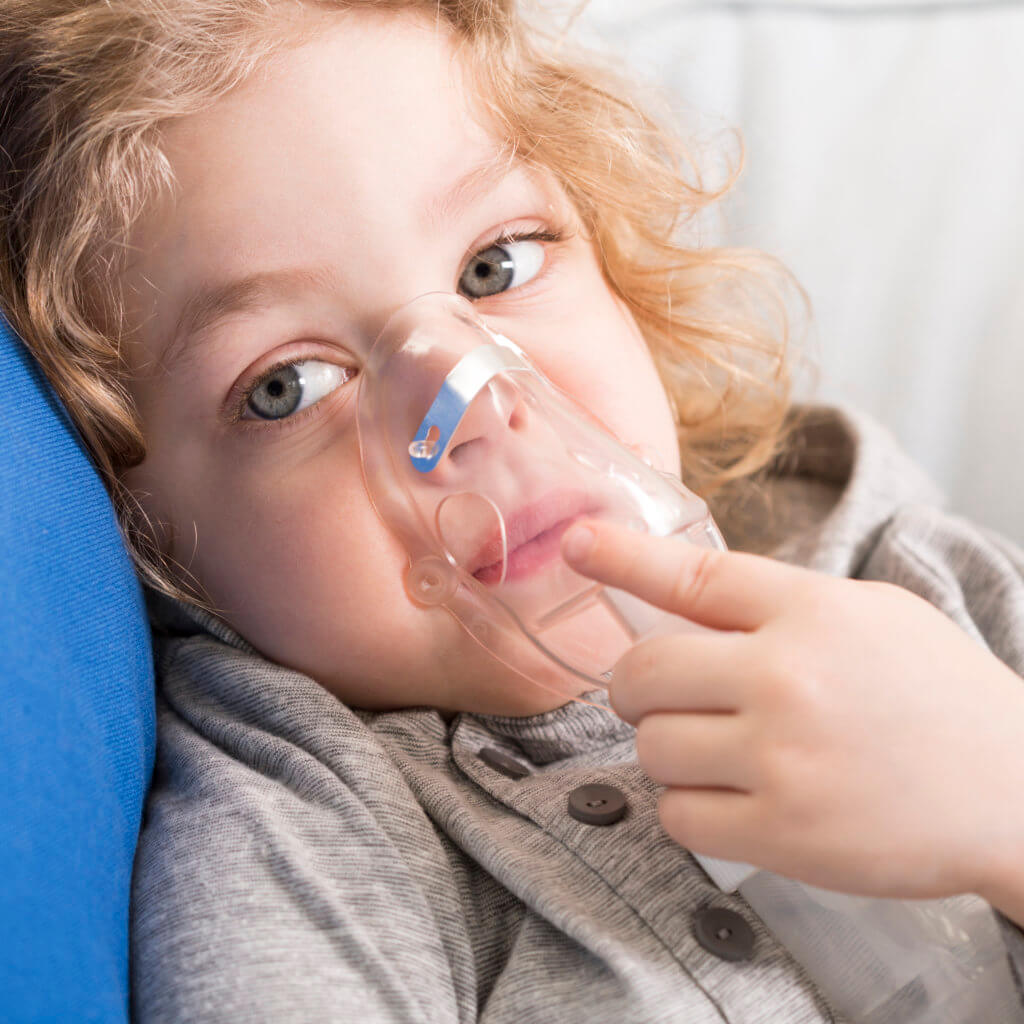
{"x":534,"y":534}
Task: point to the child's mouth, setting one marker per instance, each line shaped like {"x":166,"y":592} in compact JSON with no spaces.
{"x":529,"y":557}
{"x":533,"y":538}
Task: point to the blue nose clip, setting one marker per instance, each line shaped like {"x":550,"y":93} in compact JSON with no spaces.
{"x":466,"y":379}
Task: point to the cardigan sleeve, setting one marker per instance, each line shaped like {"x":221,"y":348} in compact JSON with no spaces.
{"x":976,"y":577}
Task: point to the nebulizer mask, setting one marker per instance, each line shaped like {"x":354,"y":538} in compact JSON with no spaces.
{"x":478,"y":464}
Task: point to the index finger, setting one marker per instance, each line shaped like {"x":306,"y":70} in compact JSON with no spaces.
{"x":722,"y":589}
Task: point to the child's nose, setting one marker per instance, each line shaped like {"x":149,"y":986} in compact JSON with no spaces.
{"x":497,"y":417}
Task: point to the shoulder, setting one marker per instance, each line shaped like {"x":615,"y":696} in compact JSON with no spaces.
{"x":283,"y":868}
{"x":973,"y":574}
{"x":948,"y":547}
{"x":838,"y":480}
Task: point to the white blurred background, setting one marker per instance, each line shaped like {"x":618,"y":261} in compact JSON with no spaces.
{"x":885,"y":166}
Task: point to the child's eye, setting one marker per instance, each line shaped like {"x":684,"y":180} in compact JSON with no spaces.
{"x":287,"y":389}
{"x":506,"y":264}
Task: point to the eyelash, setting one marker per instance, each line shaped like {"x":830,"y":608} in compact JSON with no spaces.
{"x":559,"y":233}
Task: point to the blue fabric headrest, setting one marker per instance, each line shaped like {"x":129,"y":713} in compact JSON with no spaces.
{"x":77,"y":716}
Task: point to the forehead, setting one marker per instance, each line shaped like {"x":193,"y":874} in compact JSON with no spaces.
{"x":346,"y":137}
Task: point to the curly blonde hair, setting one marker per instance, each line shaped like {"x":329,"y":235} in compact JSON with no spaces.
{"x":85,"y":86}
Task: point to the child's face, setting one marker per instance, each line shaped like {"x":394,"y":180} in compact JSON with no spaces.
{"x":306,"y":211}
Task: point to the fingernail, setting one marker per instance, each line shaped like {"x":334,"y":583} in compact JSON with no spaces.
{"x":577,"y":542}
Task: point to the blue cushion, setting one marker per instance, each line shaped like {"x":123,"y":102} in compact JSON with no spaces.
{"x":76,"y":718}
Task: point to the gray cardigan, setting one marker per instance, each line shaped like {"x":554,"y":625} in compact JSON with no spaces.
{"x":303,"y":861}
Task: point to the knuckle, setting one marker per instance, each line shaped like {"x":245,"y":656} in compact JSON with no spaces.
{"x":631,"y":570}
{"x":776,"y":769}
{"x":788,"y":782}
{"x":884,"y":590}
{"x":781,"y":689}
{"x":882,"y":586}
{"x":692,"y":579}
{"x":790,"y":682}
{"x":820,"y":601}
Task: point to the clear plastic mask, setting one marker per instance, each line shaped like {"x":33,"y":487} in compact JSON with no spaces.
{"x":478,"y":464}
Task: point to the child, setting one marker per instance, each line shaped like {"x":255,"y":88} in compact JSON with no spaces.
{"x":210,"y":209}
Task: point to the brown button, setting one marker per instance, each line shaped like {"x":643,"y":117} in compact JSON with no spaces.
{"x":597,"y":804}
{"x":724,"y":932}
{"x":501,"y":762}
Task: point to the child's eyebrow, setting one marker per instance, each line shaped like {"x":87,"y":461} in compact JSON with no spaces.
{"x":212,"y":303}
{"x":470,"y":188}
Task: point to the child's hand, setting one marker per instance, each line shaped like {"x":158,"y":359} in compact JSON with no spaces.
{"x":847,"y":734}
